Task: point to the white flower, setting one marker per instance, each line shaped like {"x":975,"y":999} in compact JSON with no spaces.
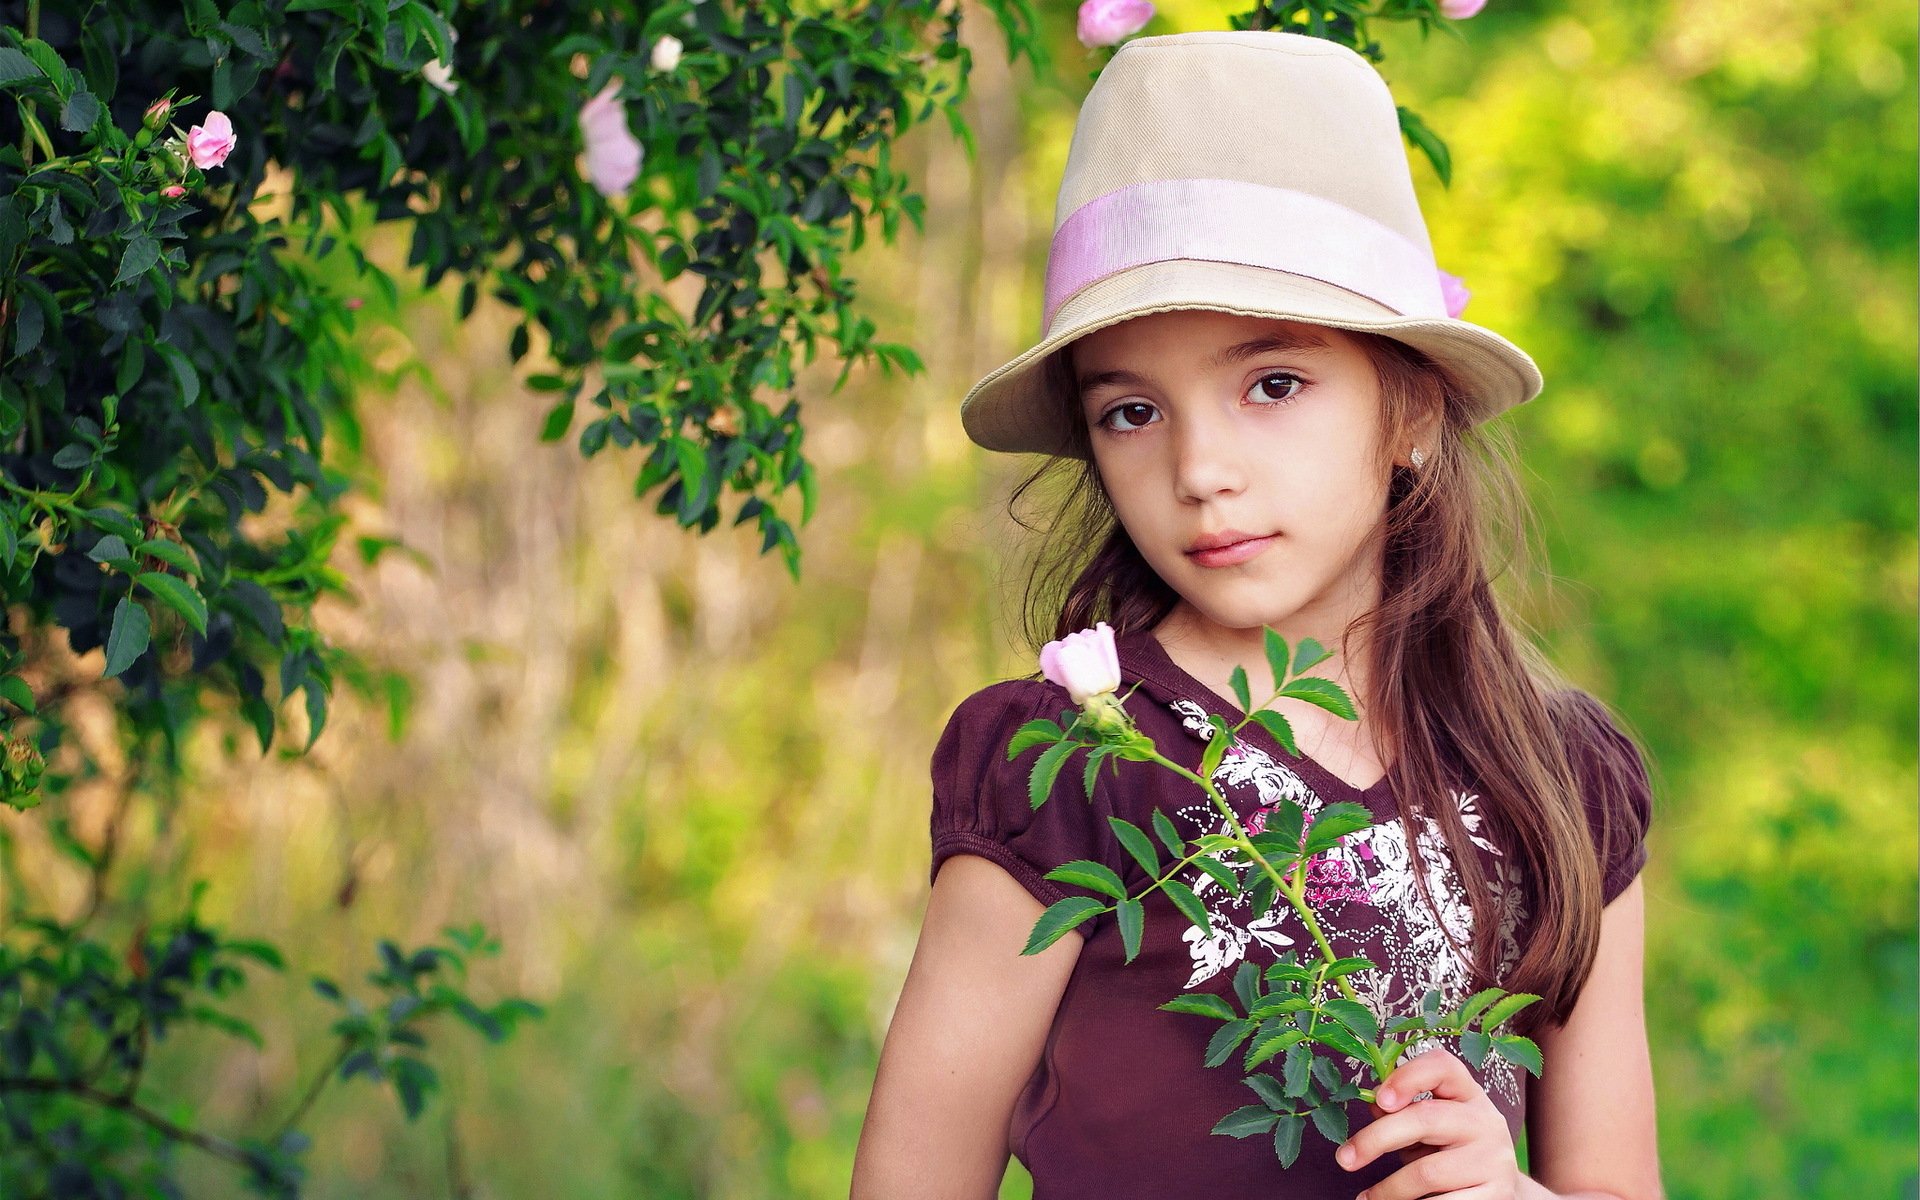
{"x":440,"y":75}
{"x":666,"y":53}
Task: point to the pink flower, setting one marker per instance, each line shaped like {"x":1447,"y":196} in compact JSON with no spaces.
{"x":156,"y":114}
{"x":211,"y":143}
{"x":613,"y":153}
{"x":173,"y":192}
{"x":1105,"y":22}
{"x":1456,"y":293}
{"x":1460,"y":10}
{"x":354,"y":302}
{"x":1086,"y":663}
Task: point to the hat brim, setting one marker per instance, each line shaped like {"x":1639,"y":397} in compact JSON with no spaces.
{"x":1009,"y":410}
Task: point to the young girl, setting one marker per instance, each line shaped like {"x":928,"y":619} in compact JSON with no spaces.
{"x":1251,"y":367}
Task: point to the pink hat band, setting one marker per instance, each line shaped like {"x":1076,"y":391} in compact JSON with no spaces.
{"x":1236,"y":221}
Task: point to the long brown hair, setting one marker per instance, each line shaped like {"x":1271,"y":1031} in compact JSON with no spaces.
{"x":1460,"y":691}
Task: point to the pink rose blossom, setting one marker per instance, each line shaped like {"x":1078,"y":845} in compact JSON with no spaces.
{"x":1105,"y":22}
{"x":1455,"y":292}
{"x":1085,"y":663}
{"x":1460,"y":10}
{"x":211,"y":143}
{"x":613,"y":153}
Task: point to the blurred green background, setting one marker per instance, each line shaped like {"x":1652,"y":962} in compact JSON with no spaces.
{"x":691,"y":796}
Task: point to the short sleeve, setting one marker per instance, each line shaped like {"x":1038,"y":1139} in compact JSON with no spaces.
{"x":981,"y":800}
{"x":1614,"y":787}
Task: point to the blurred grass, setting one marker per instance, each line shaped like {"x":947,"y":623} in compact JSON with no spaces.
{"x":690,"y":796}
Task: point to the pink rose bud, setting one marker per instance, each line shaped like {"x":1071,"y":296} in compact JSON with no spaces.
{"x":1085,"y":663}
{"x":1105,"y":22}
{"x":1460,"y":10}
{"x":354,"y":302}
{"x":173,"y":192}
{"x":1455,"y":292}
{"x":156,"y":114}
{"x":613,"y":153}
{"x":210,"y":144}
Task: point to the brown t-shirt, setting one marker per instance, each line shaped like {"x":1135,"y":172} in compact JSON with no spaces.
{"x":1121,"y":1104}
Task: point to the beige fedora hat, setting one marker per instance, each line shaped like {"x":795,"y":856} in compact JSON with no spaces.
{"x":1252,"y":172}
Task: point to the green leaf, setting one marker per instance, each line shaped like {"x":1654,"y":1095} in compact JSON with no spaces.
{"x":1202,"y":1004}
{"x":1335,"y":822}
{"x":1521,"y":1052}
{"x":1294,"y":1073}
{"x":79,"y":113}
{"x":1226,"y":1040}
{"x":1355,"y":1016}
{"x":1040,"y":782}
{"x":1220,"y":873}
{"x":1331,"y":1121}
{"x":132,"y":629}
{"x":1085,"y":873}
{"x":1499,"y":1013}
{"x":1272,"y":1042}
{"x":1131,"y":917}
{"x":15,"y":66}
{"x":1280,"y":728}
{"x":1240,"y":691}
{"x":1436,"y":151}
{"x":1246,"y":983}
{"x":1033,"y":733}
{"x":177,"y":595}
{"x":141,"y":253}
{"x":1268,"y":1089}
{"x":1245,"y":1122}
{"x":72,"y":456}
{"x":1060,"y":917}
{"x":1478,"y":1004}
{"x":1339,"y":1037}
{"x":1286,"y":1138}
{"x":1261,"y":895}
{"x":1137,"y":844}
{"x":170,"y":552}
{"x":183,"y":372}
{"x":1474,"y":1046}
{"x":559,"y":420}
{"x":1217,"y":745}
{"x":15,"y":689}
{"x":1169,"y":837}
{"x":1276,"y":656}
{"x":1189,"y":904}
{"x":110,"y":547}
{"x":1323,"y":692}
{"x":1310,"y":654}
{"x":1347,"y":966}
{"x":1091,"y":776}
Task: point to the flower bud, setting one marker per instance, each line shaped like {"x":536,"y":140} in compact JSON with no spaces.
{"x":157,"y":112}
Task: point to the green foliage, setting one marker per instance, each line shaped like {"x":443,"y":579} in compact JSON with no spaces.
{"x":79,"y":1027}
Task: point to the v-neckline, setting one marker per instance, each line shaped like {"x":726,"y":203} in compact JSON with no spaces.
{"x":1152,"y":661}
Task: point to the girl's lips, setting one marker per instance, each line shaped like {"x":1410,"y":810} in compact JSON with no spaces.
{"x":1239,"y":552}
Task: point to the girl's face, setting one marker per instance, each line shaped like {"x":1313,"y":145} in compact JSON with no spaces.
{"x":1203,"y":422}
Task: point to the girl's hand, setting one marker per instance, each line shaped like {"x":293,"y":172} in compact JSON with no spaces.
{"x":1455,"y":1144}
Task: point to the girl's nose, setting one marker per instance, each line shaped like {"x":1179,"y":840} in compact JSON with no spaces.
{"x":1206,"y":455}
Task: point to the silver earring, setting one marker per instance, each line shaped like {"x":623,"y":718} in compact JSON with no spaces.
{"x":1417,"y":457}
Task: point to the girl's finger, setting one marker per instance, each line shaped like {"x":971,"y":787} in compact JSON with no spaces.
{"x":1438,"y":1071}
{"x":1444,"y":1173}
{"x":1438,"y":1124}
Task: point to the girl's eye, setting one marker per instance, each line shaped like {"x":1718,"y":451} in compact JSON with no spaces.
{"x":1260,"y":386}
{"x":1265,"y":398}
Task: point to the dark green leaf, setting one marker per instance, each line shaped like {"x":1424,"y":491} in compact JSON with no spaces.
{"x":1040,"y":781}
{"x":1520,"y":1051}
{"x":1268,"y":1089}
{"x":1271,"y":1042}
{"x":1240,"y":691}
{"x":1323,"y":692}
{"x":80,"y":112}
{"x":128,"y":640}
{"x":1219,"y":872}
{"x":1276,"y":657}
{"x":141,"y":253}
{"x":1137,"y":844}
{"x":1226,"y":1040}
{"x":1169,"y":837}
{"x":1203,"y":1004}
{"x":177,"y":595}
{"x":1189,"y":904}
{"x":1058,"y":919}
{"x":16,"y":690}
{"x":1310,"y":654}
{"x":1331,"y":1121}
{"x":1131,"y":918}
{"x":1087,"y":874}
{"x":1294,"y":1074}
{"x":1355,"y":1016}
{"x":1280,"y":728}
{"x":1286,"y":1138}
{"x":1245,"y":1122}
{"x":1474,"y":1046}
